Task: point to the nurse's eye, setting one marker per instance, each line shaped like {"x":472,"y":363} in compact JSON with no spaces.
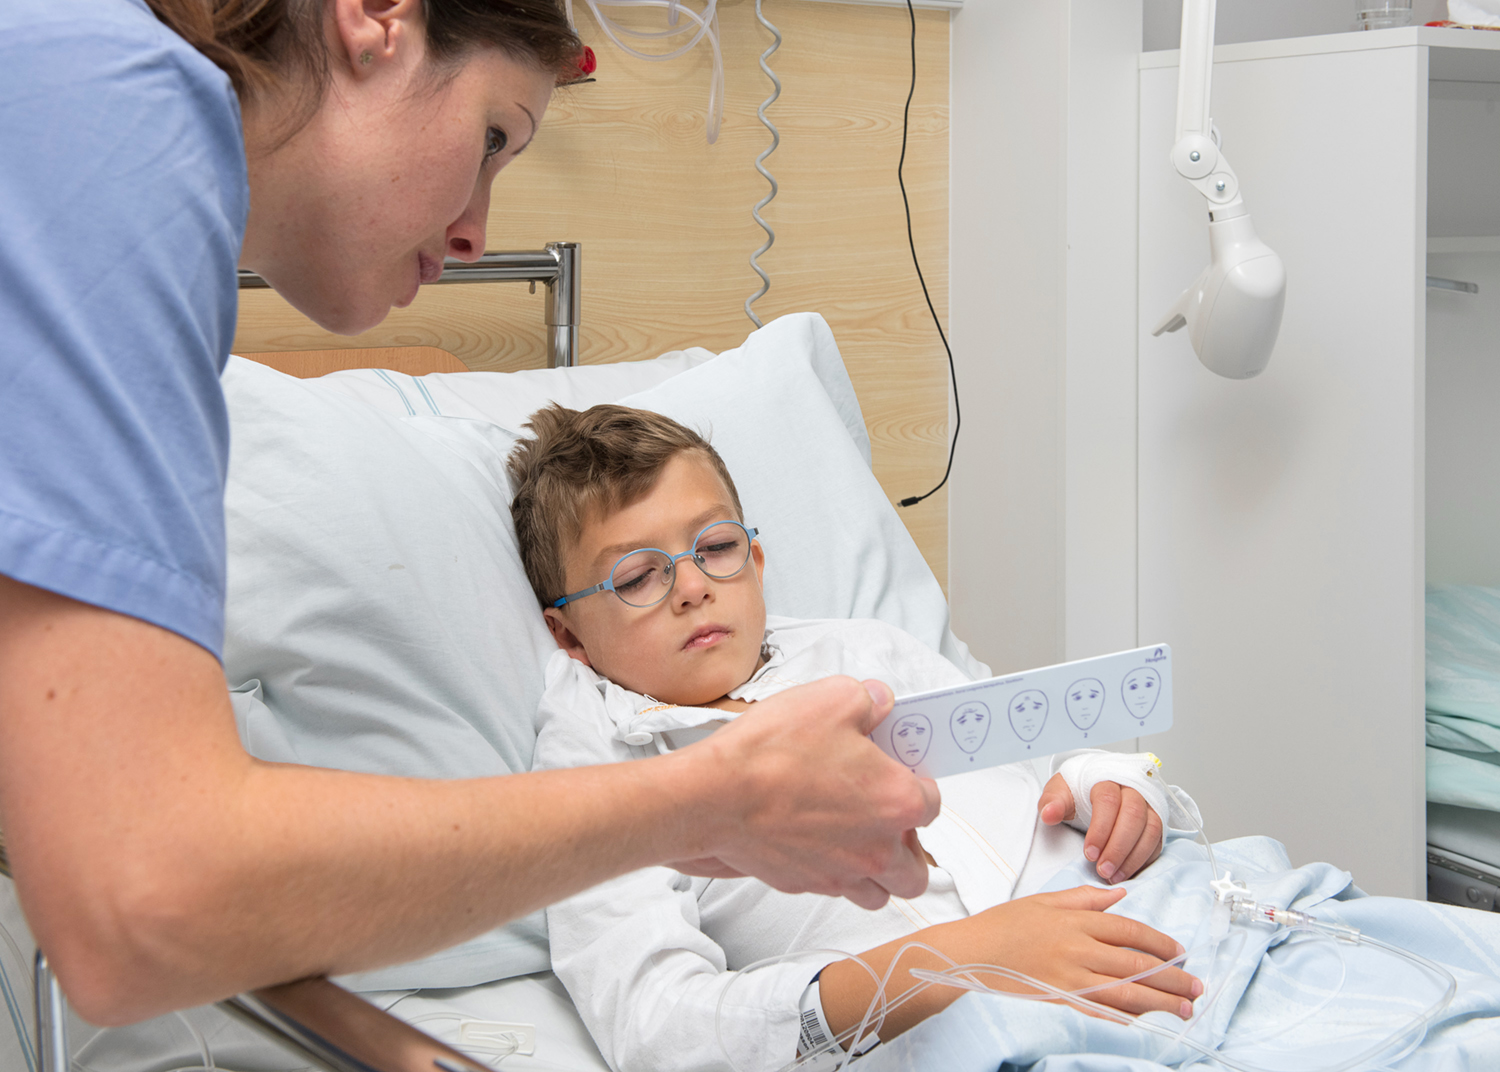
{"x":494,"y":143}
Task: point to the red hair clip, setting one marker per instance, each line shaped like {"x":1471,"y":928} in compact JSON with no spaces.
{"x":588,"y":63}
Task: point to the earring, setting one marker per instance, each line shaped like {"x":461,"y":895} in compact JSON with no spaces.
{"x":365,"y":58}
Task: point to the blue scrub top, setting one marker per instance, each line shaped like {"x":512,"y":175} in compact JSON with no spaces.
{"x":123,"y":197}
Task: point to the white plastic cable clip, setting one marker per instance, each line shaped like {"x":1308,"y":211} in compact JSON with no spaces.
{"x":1227,"y":890}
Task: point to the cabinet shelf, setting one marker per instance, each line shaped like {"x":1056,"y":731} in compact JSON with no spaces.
{"x":1474,"y":244}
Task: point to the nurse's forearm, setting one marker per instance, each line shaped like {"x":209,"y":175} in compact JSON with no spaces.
{"x":160,"y":866}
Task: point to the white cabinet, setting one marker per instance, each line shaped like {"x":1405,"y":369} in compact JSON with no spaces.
{"x":1283,"y":521}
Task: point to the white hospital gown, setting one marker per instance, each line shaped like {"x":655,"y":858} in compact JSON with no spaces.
{"x":648,"y":956}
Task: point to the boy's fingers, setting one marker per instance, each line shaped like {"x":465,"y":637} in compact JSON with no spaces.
{"x":1135,"y":999}
{"x":1105,"y":802}
{"x":1127,"y":934}
{"x":1129,"y":826}
{"x":1116,"y":963}
{"x":1056,"y":803}
{"x":1146,"y":849}
{"x":1083,"y":898}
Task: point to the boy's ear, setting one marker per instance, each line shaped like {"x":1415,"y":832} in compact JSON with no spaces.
{"x":566,"y":639}
{"x":758,"y":557}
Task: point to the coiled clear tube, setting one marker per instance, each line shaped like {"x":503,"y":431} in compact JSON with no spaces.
{"x":760,"y":166}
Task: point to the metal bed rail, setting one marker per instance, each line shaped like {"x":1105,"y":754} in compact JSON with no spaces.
{"x":318,"y":1020}
{"x":558,"y":267}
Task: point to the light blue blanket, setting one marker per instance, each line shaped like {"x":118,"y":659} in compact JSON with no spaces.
{"x":1262,"y":982}
{"x":1463,"y":696}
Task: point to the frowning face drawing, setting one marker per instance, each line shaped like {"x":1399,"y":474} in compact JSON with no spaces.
{"x":1028,"y":713}
{"x":1084,"y":700}
{"x":1140,"y":690}
{"x":970,"y":724}
{"x":911,"y":737}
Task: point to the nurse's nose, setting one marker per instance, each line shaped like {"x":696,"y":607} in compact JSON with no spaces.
{"x":466,"y":235}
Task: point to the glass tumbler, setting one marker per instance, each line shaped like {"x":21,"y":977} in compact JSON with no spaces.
{"x":1381,"y":14}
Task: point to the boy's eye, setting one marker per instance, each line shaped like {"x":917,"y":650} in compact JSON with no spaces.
{"x":633,"y":582}
{"x":494,"y":142}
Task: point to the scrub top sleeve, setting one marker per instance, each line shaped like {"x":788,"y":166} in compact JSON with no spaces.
{"x":123,"y":199}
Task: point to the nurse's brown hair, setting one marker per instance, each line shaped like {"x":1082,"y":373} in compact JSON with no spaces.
{"x":266,"y":44}
{"x":581,"y":465}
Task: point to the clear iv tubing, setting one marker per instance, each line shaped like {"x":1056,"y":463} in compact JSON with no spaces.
{"x":707,"y":23}
{"x":1407,"y":1037}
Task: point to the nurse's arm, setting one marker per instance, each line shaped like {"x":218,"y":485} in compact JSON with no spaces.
{"x":160,"y":866}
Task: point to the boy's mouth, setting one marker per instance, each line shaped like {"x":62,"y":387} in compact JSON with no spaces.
{"x":707,"y":637}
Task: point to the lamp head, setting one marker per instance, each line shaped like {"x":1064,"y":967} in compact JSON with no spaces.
{"x":1233,"y":310}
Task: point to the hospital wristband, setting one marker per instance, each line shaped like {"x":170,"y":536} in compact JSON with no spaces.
{"x":815,"y":1038}
{"x":813,"y":1033}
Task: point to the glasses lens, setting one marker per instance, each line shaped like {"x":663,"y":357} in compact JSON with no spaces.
{"x":643,"y":578}
{"x":723,"y":550}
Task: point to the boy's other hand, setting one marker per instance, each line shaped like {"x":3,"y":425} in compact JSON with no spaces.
{"x":1124,"y":831}
{"x":812,"y":804}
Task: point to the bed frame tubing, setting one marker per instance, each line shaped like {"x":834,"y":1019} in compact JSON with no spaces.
{"x":558,"y":267}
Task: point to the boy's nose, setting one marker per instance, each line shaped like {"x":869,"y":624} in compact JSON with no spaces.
{"x":693,"y":586}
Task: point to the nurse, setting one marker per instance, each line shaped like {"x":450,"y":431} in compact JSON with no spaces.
{"x":342,"y":149}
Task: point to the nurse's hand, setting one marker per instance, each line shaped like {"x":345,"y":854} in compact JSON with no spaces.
{"x":814,"y":805}
{"x":1124,"y":831}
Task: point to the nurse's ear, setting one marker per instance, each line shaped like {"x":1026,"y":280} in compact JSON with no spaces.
{"x":374,"y":35}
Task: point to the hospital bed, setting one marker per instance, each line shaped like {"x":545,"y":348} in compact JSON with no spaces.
{"x":1463,"y":745}
{"x":379,"y":620}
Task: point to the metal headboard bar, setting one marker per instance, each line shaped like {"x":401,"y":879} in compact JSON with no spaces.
{"x":558,"y":266}
{"x":322,"y":1022}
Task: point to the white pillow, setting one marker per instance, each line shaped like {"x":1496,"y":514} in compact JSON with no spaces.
{"x":378,"y":616}
{"x":509,"y":399}
{"x":835,"y":547}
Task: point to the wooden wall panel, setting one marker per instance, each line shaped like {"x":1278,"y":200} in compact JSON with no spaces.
{"x":622,"y":166}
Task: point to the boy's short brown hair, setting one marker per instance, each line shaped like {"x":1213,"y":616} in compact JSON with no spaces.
{"x":587,"y":463}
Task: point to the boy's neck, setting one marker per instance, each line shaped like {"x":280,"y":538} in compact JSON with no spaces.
{"x":724,"y":703}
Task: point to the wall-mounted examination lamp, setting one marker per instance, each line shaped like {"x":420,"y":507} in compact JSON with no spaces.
{"x":1233,"y":310}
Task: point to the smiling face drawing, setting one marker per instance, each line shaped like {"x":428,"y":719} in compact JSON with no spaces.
{"x":1028,"y":713}
{"x":1084,"y":700}
{"x":970,"y":724}
{"x":1140,"y":690}
{"x":910,"y":739}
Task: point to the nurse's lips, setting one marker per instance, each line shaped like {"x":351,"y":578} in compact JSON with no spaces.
{"x":429,"y":268}
{"x":428,"y":271}
{"x":707,"y":637}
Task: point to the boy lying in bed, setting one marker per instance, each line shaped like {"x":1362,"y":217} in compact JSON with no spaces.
{"x":633,"y":538}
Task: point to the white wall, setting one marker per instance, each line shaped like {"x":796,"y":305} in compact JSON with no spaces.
{"x":1043,"y":321}
{"x":1008,"y":146}
{"x":1266,"y":20}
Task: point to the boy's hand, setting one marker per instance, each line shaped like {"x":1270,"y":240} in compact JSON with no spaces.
{"x":1124,"y":832}
{"x":1065,"y":939}
{"x":812,"y":804}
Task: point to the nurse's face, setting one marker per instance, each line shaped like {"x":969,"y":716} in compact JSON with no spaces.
{"x":393,"y":171}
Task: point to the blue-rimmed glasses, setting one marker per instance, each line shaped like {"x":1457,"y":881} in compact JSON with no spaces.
{"x":645,"y":577}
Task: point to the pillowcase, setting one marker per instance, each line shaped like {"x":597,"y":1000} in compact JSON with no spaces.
{"x":378,"y":617}
{"x":509,"y":399}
